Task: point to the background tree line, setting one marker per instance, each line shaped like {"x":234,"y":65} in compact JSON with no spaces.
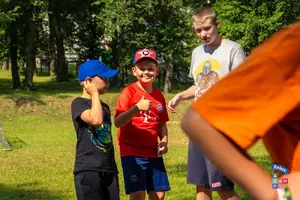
{"x":113,"y":30}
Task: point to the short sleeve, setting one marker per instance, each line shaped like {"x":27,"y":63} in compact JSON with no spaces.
{"x":123,"y":102}
{"x":78,"y":107}
{"x":238,"y":57}
{"x":164,"y":115}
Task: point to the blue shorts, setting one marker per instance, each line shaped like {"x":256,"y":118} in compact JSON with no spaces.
{"x":142,"y":174}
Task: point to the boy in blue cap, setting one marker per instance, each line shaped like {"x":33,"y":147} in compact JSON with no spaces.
{"x":95,"y":170}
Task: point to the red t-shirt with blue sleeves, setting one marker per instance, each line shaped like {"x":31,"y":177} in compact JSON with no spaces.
{"x":139,"y":137}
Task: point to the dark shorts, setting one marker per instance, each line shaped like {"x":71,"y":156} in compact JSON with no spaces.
{"x":142,"y":174}
{"x":203,"y":173}
{"x":92,"y":185}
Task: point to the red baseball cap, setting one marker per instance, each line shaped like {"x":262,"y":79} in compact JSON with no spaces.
{"x":144,"y":53}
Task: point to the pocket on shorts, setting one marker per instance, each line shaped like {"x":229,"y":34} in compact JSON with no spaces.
{"x":89,"y":180}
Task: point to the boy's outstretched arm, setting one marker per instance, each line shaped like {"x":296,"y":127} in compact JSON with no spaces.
{"x":125,"y":117}
{"x":227,"y":157}
{"x":93,"y":116}
{"x":185,"y":95}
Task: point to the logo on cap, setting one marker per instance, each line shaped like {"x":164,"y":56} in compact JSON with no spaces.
{"x":144,"y":53}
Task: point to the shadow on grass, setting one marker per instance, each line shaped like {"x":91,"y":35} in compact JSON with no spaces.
{"x":5,"y":86}
{"x":22,"y":100}
{"x":46,"y":88}
{"x":43,"y":73}
{"x":16,"y":142}
{"x":25,"y":192}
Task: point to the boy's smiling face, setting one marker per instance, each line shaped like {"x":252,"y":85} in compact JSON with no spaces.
{"x":145,"y":71}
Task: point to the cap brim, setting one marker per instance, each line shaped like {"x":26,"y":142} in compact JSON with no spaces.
{"x":150,"y":58}
{"x":110,"y":73}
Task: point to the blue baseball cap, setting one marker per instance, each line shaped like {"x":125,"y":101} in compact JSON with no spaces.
{"x":92,"y":68}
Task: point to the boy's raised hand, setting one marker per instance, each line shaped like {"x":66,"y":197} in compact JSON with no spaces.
{"x":174,"y":102}
{"x":144,"y":104}
{"x":90,"y":87}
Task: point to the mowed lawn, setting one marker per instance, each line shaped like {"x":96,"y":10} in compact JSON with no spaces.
{"x":38,"y":125}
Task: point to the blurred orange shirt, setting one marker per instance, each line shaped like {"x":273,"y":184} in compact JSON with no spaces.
{"x":261,"y":99}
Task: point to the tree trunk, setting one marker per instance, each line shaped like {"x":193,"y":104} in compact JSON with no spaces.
{"x":159,"y":77}
{"x":117,"y":80}
{"x":126,"y":76}
{"x":13,"y":51}
{"x":77,"y":67}
{"x":52,"y":69}
{"x":5,"y":65}
{"x":168,"y":80}
{"x":30,"y":51}
{"x":92,"y":36}
{"x":52,"y":51}
{"x":21,"y":64}
{"x":62,"y":68}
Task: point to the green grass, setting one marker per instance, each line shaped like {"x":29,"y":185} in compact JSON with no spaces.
{"x":38,"y":125}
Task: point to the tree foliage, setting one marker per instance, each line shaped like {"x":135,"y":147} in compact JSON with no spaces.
{"x":251,"y":22}
{"x":114,"y":29}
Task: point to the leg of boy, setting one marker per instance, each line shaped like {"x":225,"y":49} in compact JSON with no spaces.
{"x":220,"y":183}
{"x":134,"y":171}
{"x":87,"y":186}
{"x":111,"y":183}
{"x":156,"y":195}
{"x":140,"y":195}
{"x":157,"y":179}
{"x":203,"y":193}
{"x":197,"y":172}
{"x":228,"y":195}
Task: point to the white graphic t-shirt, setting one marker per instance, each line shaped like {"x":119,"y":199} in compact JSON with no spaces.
{"x":209,"y":65}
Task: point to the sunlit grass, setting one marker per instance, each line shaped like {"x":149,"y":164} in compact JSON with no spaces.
{"x":38,"y":125}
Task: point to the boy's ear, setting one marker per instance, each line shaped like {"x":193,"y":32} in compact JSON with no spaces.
{"x":158,"y":70}
{"x":88,"y":80}
{"x":133,"y":68}
{"x":217,"y":24}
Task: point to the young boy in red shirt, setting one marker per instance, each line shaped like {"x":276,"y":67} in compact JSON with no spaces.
{"x":141,"y":117}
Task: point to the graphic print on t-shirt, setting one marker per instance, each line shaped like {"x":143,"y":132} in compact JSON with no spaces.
{"x":205,"y":76}
{"x":101,"y":137}
{"x":146,"y":116}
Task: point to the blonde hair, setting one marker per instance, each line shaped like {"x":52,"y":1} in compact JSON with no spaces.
{"x":204,"y":13}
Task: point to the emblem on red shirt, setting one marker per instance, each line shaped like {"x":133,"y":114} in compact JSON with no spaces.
{"x":159,"y":108}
